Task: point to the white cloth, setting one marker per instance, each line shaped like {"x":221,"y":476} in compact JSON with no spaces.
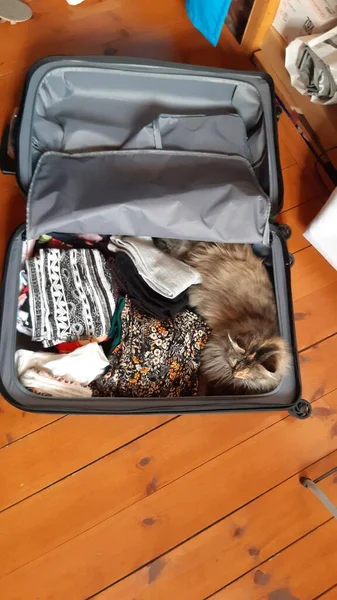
{"x":82,"y":365}
{"x":322,"y":231}
{"x":43,"y":383}
{"x":27,"y":250}
{"x":163,"y":273}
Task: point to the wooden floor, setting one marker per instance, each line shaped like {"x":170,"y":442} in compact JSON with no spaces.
{"x":162,"y":508}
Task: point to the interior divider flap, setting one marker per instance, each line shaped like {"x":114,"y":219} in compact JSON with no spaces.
{"x":159,"y":193}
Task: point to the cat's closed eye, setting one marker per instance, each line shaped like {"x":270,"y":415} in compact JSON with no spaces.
{"x":236,"y":345}
{"x":232,"y":361}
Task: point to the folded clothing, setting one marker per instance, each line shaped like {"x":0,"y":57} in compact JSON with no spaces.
{"x":116,"y":284}
{"x":40,"y":382}
{"x":67,"y":347}
{"x":166,"y":275}
{"x":154,"y":358}
{"x":144,"y":297}
{"x":82,"y":365}
{"x":66,"y":375}
{"x":70,"y":295}
{"x":115,"y":333}
{"x":64,"y":241}
{"x":23,"y":323}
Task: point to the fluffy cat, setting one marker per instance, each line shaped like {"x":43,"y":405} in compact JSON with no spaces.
{"x":245,"y":353}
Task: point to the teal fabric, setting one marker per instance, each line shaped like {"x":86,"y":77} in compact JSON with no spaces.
{"x":115,"y":333}
{"x":208,"y":16}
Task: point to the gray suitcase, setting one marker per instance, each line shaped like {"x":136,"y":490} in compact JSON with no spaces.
{"x":85,"y":120}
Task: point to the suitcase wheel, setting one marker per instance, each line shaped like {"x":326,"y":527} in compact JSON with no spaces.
{"x":7,"y":163}
{"x":285,"y":230}
{"x":301,"y":410}
{"x":291,"y":260}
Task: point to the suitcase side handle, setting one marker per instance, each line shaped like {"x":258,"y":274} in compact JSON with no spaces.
{"x":7,"y":162}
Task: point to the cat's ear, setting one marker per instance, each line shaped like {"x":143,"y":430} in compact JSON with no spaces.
{"x":236,"y":346}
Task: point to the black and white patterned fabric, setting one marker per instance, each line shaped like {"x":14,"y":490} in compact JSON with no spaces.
{"x":70,"y":295}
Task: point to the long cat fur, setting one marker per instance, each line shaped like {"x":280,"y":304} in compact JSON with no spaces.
{"x":245,"y":353}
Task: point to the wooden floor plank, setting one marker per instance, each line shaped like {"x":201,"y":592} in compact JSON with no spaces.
{"x":287,"y":139}
{"x":152,"y":526}
{"x":299,"y":218}
{"x":11,"y":86}
{"x":301,"y":185}
{"x":286,"y":156}
{"x":328,"y":595}
{"x":118,"y":481}
{"x":108,"y":27}
{"x":315,"y":313}
{"x":287,"y":131}
{"x":237,"y":544}
{"x":277,"y":578}
{"x":316,"y":369}
{"x":63,"y":447}
{"x":310,"y":273}
{"x":15,"y":424}
{"x":316,"y":316}
{"x":69,"y":26}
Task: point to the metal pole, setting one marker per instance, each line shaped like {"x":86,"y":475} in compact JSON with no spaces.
{"x":322,"y":497}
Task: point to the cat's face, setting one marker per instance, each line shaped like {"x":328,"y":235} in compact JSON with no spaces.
{"x":244,"y":364}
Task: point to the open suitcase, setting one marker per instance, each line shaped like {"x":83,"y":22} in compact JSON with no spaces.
{"x":86,"y":124}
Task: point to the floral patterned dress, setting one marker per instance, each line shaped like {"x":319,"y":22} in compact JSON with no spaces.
{"x":154,"y":358}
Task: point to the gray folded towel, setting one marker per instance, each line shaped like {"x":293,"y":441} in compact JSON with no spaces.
{"x":163,"y":273}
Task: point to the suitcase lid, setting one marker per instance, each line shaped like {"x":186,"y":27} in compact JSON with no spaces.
{"x":108,"y":143}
